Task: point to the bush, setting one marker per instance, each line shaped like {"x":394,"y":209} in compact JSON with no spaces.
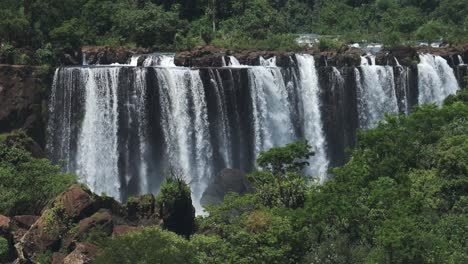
{"x":7,"y":53}
{"x":4,"y":247}
{"x":27,"y":184}
{"x":151,"y":245}
{"x":329,"y":44}
{"x":175,"y":205}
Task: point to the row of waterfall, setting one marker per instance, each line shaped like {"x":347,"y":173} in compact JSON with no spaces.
{"x":121,"y":128}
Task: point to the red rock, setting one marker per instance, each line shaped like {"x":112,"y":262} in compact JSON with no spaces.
{"x":124,"y":229}
{"x":58,"y":258}
{"x":5,"y":224}
{"x":77,"y":202}
{"x":25,"y":221}
{"x":83,"y":254}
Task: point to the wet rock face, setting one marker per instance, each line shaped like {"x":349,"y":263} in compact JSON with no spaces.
{"x":229,"y":180}
{"x":108,"y":55}
{"x":75,"y":217}
{"x":23,"y":100}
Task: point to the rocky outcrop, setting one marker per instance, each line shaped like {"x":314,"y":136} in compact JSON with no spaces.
{"x":107,"y":55}
{"x":229,"y":180}
{"x":76,"y":218}
{"x":209,"y":56}
{"x":23,"y":99}
{"x":83,"y":254}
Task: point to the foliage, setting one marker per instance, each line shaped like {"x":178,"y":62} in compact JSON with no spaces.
{"x":152,"y":245}
{"x":177,"y":24}
{"x":175,"y":204}
{"x":400,"y":199}
{"x":279,"y":182}
{"x":4,"y":247}
{"x":329,"y":44}
{"x":27,"y":184}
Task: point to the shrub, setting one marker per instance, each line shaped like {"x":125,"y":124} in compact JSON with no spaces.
{"x":27,"y":184}
{"x":4,"y":247}
{"x":329,"y":44}
{"x":151,"y":245}
{"x":175,"y":205}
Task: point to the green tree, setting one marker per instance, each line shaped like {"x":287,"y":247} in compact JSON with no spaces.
{"x":280,"y":181}
{"x":175,"y":204}
{"x":27,"y":184}
{"x":152,"y":245}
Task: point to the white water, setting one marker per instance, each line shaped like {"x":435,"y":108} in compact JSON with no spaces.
{"x":271,"y":110}
{"x":233,"y":62}
{"x":140,"y":107}
{"x":376,"y":93}
{"x":313,"y":127}
{"x":159,"y":59}
{"x":460,"y":59}
{"x":186,"y":130}
{"x":134,"y":60}
{"x":271,"y":62}
{"x":223,"y":124}
{"x":436,"y":79}
{"x":97,"y":154}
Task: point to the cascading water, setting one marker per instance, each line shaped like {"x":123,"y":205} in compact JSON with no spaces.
{"x":376,"y":92}
{"x":96,"y":158}
{"x":271,"y":62}
{"x":159,"y":59}
{"x":436,"y":79}
{"x":272,"y":119}
{"x":312,"y":127}
{"x":121,"y":128}
{"x":223,"y":126}
{"x":185,"y":126}
{"x":233,"y":62}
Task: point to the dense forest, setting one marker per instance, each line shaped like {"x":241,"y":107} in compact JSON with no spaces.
{"x":35,"y":31}
{"x":399,"y":196}
{"x":400,"y":199}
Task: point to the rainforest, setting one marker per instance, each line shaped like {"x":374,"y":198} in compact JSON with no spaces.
{"x":237,"y":131}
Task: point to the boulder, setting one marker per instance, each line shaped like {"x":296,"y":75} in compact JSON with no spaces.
{"x":47,"y":232}
{"x":141,"y":209}
{"x":25,"y":221}
{"x":229,"y":180}
{"x":57,"y":258}
{"x":104,"y":55}
{"x":100,"y":224}
{"x":23,"y":92}
{"x":6,"y":229}
{"x":125,"y":229}
{"x":5,"y":224}
{"x":175,"y":208}
{"x":77,"y":202}
{"x":44,"y":235}
{"x":84,"y":253}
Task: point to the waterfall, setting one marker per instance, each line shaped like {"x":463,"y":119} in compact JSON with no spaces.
{"x":271,"y":111}
{"x":233,"y":62}
{"x":271,"y":62}
{"x":460,"y":60}
{"x":436,"y":79}
{"x":401,"y":88}
{"x":185,"y":126}
{"x":223,"y":127}
{"x":376,"y":93}
{"x":134,"y":60}
{"x":159,"y":59}
{"x":312,"y":127}
{"x":121,"y":128}
{"x":97,"y":153}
